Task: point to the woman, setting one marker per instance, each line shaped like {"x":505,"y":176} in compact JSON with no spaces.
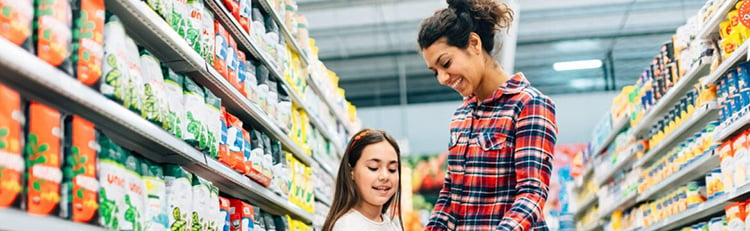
{"x":368,"y":185}
{"x":503,"y":135}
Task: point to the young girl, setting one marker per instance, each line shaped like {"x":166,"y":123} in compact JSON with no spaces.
{"x":502,"y":137}
{"x":368,"y":185}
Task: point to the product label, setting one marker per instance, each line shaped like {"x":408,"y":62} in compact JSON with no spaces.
{"x":132,"y":214}
{"x":54,"y":33}
{"x":744,"y":14}
{"x":43,"y":159}
{"x":220,"y":49}
{"x":16,"y":20}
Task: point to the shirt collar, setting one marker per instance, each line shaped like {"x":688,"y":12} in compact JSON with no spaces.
{"x":514,"y":85}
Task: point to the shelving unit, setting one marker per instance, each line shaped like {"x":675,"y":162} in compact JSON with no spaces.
{"x":672,"y":97}
{"x":622,"y":162}
{"x":696,"y":169}
{"x":41,"y":82}
{"x":711,"y":26}
{"x":314,"y":85}
{"x":700,"y":117}
{"x":233,"y":26}
{"x":324,"y":200}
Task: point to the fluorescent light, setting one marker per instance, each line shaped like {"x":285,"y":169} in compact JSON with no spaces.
{"x":577,"y":65}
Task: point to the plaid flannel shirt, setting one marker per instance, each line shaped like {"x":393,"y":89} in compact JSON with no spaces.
{"x":499,"y":163}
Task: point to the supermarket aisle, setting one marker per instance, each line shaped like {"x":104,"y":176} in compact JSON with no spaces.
{"x":672,"y":152}
{"x":158,"y":115}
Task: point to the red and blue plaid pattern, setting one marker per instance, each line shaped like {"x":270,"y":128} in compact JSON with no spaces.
{"x":499,"y":163}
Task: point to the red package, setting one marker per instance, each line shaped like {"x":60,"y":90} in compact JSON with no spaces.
{"x":224,"y":207}
{"x":233,"y":6}
{"x":241,"y":78}
{"x":232,"y":62}
{"x":224,"y":156}
{"x":241,"y":215}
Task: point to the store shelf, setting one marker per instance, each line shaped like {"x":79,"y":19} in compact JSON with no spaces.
{"x":699,"y":168}
{"x":597,"y":225}
{"x":735,"y":58}
{"x":606,"y":210}
{"x":17,"y":220}
{"x":671,"y":98}
{"x":687,"y":129}
{"x":702,"y":211}
{"x":41,"y":82}
{"x":284,"y":30}
{"x":711,"y":26}
{"x":622,"y":162}
{"x":337,"y":113}
{"x":619,"y":126}
{"x":241,"y":187}
{"x":729,"y":132}
{"x":152,"y":32}
{"x":585,"y":205}
{"x":233,"y":26}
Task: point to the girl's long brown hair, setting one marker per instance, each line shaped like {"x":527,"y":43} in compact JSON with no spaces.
{"x":346,"y":195}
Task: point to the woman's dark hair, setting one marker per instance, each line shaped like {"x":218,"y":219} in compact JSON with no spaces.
{"x":346,"y":194}
{"x":462,"y":17}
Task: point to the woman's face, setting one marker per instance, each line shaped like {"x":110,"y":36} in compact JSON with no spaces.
{"x":376,"y":174}
{"x":460,"y":69}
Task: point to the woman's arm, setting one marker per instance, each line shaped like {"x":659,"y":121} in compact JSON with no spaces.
{"x":440,"y":215}
{"x":536,"y":134}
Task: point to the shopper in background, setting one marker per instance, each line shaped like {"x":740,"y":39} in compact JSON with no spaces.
{"x":368,"y":185}
{"x":502,"y":137}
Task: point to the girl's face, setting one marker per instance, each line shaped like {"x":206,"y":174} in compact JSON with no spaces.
{"x":376,"y":174}
{"x":454,"y":67}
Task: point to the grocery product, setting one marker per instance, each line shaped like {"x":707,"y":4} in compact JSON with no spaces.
{"x":221,"y":45}
{"x":53,"y":34}
{"x":80,"y":188}
{"x":112,"y":181}
{"x":236,"y":145}
{"x":207,"y":36}
{"x":155,"y":101}
{"x":18,"y":22}
{"x":179,"y":197}
{"x":735,"y":216}
{"x":132,"y":213}
{"x":88,"y":40}
{"x":114,"y":67}
{"x":11,"y":143}
{"x":224,"y":214}
{"x":156,"y":216}
{"x":194,"y":102}
{"x":43,"y":159}
{"x":213,"y":123}
{"x":133,"y":81}
{"x":176,"y":117}
{"x":241,"y":215}
{"x":201,"y":216}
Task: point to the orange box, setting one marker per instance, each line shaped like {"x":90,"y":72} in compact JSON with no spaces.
{"x":736,"y":215}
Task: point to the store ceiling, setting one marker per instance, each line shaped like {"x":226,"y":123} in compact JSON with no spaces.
{"x":363,"y":41}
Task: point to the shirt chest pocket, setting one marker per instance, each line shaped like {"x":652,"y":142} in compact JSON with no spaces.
{"x":492,"y":155}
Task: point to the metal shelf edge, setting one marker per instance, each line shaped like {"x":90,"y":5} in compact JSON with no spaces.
{"x":733,"y":128}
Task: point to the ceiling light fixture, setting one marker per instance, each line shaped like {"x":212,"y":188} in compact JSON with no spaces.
{"x":577,"y":65}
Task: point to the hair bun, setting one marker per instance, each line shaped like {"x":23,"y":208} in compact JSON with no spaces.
{"x":459,"y":5}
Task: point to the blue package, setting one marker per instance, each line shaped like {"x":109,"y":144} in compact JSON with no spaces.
{"x":743,"y":79}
